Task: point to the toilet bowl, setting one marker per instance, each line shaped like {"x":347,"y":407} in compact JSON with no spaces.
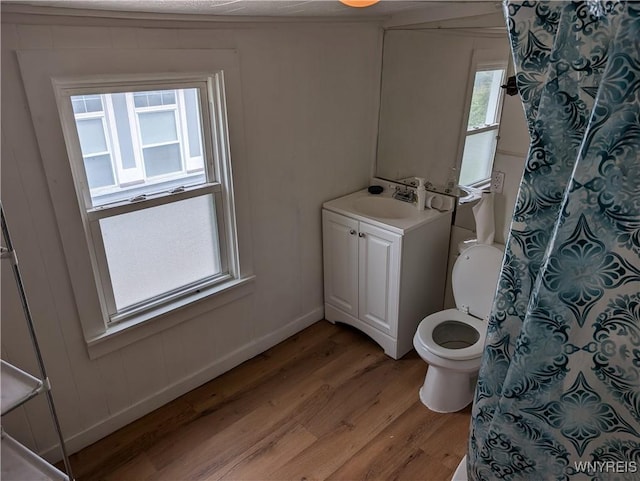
{"x":451,"y":341}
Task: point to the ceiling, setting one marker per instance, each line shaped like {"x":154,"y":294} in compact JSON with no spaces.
{"x":273,"y":8}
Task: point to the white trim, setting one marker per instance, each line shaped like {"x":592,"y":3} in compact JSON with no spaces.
{"x":138,"y":67}
{"x":101,"y":271}
{"x":221,"y":164}
{"x":184,"y":385}
{"x":87,"y":84}
{"x":224,"y":258}
{"x":151,"y":200}
{"x":183,"y":130}
{"x":497,"y":95}
{"x":192,"y":164}
{"x":146,"y":324}
{"x":481,"y":130}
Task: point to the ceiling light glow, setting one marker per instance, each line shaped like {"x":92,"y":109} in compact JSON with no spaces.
{"x":359,"y":3}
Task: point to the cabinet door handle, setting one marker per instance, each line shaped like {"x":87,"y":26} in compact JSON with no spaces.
{"x":352,"y":232}
{"x":361,"y":234}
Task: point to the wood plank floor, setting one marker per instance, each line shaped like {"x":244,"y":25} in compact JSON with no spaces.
{"x":324,"y":404}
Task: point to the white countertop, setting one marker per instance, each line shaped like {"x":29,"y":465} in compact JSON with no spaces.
{"x":347,"y":206}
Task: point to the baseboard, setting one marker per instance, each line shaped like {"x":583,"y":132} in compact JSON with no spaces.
{"x":120,"y":419}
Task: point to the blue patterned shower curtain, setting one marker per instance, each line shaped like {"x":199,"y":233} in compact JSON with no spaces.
{"x":558,"y":395}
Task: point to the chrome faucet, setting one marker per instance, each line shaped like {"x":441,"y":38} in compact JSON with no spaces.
{"x":405,"y":195}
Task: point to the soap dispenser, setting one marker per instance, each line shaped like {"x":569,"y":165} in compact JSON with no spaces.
{"x":421,"y":193}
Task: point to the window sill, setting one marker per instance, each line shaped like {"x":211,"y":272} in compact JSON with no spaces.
{"x":168,"y":315}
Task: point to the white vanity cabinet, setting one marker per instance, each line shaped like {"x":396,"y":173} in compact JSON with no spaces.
{"x":381,"y":279}
{"x":361,"y":266}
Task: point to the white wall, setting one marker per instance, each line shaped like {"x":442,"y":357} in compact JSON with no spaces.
{"x":310,"y":94}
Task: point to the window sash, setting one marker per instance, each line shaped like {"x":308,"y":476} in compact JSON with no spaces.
{"x":126,"y":177}
{"x":214,"y":150}
{"x":106,"y":290}
{"x":486,"y":163}
{"x":152,"y":200}
{"x":494,"y":112}
{"x":480,"y":130}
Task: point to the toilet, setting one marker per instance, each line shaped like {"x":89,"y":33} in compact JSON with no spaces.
{"x":451,"y":341}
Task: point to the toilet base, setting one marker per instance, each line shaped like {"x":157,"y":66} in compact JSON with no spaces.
{"x":447,"y":391}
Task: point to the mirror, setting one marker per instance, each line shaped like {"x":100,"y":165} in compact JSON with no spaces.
{"x":427,"y":82}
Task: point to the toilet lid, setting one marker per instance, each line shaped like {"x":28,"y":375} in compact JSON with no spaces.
{"x":474,"y":279}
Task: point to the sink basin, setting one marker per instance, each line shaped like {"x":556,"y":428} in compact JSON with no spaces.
{"x":386,"y":212}
{"x":384,"y":207}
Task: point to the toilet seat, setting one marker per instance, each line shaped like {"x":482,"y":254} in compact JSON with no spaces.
{"x":430,"y":323}
{"x":473,"y":295}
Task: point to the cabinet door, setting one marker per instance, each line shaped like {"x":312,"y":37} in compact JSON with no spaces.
{"x":340,"y":249}
{"x":379,"y":277}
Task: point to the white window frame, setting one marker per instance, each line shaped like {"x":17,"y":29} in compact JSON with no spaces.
{"x":482,"y":62}
{"x":42,"y":68}
{"x":191,"y":164}
{"x":215,"y":150}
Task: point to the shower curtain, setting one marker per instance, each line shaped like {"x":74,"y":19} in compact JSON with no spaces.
{"x":558,"y":394}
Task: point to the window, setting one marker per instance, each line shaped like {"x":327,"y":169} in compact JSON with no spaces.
{"x":119,"y":211}
{"x":148,"y":162}
{"x":132,"y":140}
{"x":482,"y":126}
